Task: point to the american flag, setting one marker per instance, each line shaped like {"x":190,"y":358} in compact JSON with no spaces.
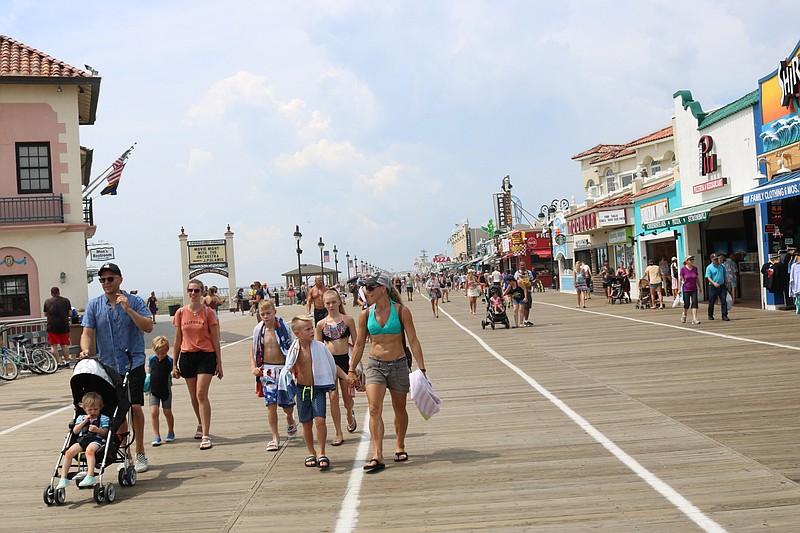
{"x":115,"y":174}
{"x":327,"y":255}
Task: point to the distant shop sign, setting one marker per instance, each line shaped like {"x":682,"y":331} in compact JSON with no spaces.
{"x":611,"y":218}
{"x":709,"y":185}
{"x":105,"y":253}
{"x":620,"y":236}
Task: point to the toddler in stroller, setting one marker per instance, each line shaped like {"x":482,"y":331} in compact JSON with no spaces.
{"x":644,"y":295}
{"x":618,"y":290}
{"x":495,"y":309}
{"x":102,"y":405}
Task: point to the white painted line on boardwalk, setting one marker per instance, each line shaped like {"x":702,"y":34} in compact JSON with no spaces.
{"x":348,"y":514}
{"x":51,"y":413}
{"x":681,"y":503}
{"x":33,"y":421}
{"x":673,"y":326}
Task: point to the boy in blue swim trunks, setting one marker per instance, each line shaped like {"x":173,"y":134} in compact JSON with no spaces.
{"x":315,"y":371}
{"x":271,"y":342}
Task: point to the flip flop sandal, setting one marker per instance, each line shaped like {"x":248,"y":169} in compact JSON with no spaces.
{"x":291,"y":430}
{"x":400,"y":457}
{"x":373,"y":465}
{"x":351,"y":429}
{"x":337,"y":442}
{"x":199,"y":433}
{"x":323,"y":463}
{"x":206,"y":443}
{"x":272,"y":446}
{"x":311,"y":461}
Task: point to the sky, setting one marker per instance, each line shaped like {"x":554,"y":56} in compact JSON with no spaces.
{"x":375,"y":125}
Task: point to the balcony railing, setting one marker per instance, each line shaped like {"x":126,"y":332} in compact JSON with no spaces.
{"x":88,"y":212}
{"x":32,"y":209}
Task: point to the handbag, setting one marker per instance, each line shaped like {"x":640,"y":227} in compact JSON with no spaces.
{"x":406,"y":349}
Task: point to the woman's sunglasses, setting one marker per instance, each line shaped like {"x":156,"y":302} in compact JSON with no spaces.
{"x":192,"y":291}
{"x":371,"y":288}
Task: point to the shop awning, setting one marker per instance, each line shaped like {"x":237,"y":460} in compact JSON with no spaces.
{"x":781,"y":186}
{"x":687,"y":215}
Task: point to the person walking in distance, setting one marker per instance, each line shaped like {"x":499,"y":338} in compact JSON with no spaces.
{"x":58,"y":309}
{"x":687,"y":283}
{"x":152,"y":305}
{"x":653,"y":275}
{"x":715,"y":274}
{"x":315,"y":300}
{"x":114,"y":325}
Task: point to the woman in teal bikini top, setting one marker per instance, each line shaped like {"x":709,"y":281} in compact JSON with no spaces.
{"x":392,"y":326}
{"x":386,"y":368}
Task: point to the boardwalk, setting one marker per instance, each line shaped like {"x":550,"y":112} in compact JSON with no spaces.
{"x":608,"y":419}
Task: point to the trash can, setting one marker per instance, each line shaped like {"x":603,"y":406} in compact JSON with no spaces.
{"x":277,"y":298}
{"x":245,"y":305}
{"x":173,"y":309}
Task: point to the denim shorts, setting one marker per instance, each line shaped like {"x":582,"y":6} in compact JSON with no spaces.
{"x":391,"y":374}
{"x":311,"y":402}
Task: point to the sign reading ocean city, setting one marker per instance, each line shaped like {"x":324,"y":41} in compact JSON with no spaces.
{"x":213,"y":256}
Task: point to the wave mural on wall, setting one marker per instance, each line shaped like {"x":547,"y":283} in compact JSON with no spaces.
{"x":780,"y":132}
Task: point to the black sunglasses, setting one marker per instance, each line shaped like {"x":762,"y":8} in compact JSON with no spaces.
{"x":109,"y":279}
{"x":190,"y":291}
{"x":371,"y":288}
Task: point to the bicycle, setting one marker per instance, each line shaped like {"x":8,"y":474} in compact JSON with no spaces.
{"x":537,"y":285}
{"x":37,"y":360}
{"x":9,"y":369}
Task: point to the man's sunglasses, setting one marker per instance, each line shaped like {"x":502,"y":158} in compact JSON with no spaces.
{"x":192,"y":291}
{"x":109,"y":279}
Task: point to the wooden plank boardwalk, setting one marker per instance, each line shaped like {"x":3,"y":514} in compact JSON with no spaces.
{"x":708,"y":414}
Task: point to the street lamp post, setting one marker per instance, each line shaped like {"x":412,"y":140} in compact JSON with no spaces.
{"x":335,"y":264}
{"x":355,"y":265}
{"x":321,"y":268}
{"x":347,"y":257}
{"x":297,"y":236}
{"x":547,"y":217}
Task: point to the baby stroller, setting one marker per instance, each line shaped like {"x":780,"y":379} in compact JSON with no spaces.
{"x":644,"y":295}
{"x":494,"y":317}
{"x":618,"y":290}
{"x":92,"y":376}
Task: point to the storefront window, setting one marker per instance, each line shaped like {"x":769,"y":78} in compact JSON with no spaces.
{"x":601,"y":255}
{"x":14,"y":296}
{"x":623,"y":253}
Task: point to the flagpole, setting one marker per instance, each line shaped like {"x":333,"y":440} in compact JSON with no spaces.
{"x":94,"y":184}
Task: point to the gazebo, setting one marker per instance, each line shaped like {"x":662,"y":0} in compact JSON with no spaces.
{"x":329,"y":275}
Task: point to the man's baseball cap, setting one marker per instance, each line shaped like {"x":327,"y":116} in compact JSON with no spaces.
{"x":380,"y":279}
{"x":110,"y":266}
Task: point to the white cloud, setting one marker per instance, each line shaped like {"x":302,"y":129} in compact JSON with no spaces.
{"x":243,"y":87}
{"x":324,"y":154}
{"x":196,"y":157}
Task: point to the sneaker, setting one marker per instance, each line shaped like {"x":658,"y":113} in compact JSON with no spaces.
{"x":726,"y":319}
{"x":695,"y":321}
{"x":88,"y":481}
{"x":170,"y":437}
{"x":63,"y":483}
{"x":157,"y":441}
{"x":140,"y":463}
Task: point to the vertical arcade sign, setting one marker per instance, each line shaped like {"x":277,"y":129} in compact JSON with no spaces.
{"x":207,"y":257}
{"x":502,"y":210}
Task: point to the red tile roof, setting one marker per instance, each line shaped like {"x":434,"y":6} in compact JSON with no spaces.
{"x":17,"y":59}
{"x":623,"y":199}
{"x":656,"y":187}
{"x":613,"y":151}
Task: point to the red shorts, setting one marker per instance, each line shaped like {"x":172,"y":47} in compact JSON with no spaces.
{"x":58,"y":338}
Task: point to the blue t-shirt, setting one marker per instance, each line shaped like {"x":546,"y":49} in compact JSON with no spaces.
{"x":116,"y":331}
{"x":716,"y":273}
{"x":105,"y":422}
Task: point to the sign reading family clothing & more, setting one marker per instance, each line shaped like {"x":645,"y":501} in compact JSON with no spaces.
{"x":207,"y":254}
{"x":769,"y":194}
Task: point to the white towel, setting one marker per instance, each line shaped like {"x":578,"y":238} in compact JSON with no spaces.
{"x":422,"y":393}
